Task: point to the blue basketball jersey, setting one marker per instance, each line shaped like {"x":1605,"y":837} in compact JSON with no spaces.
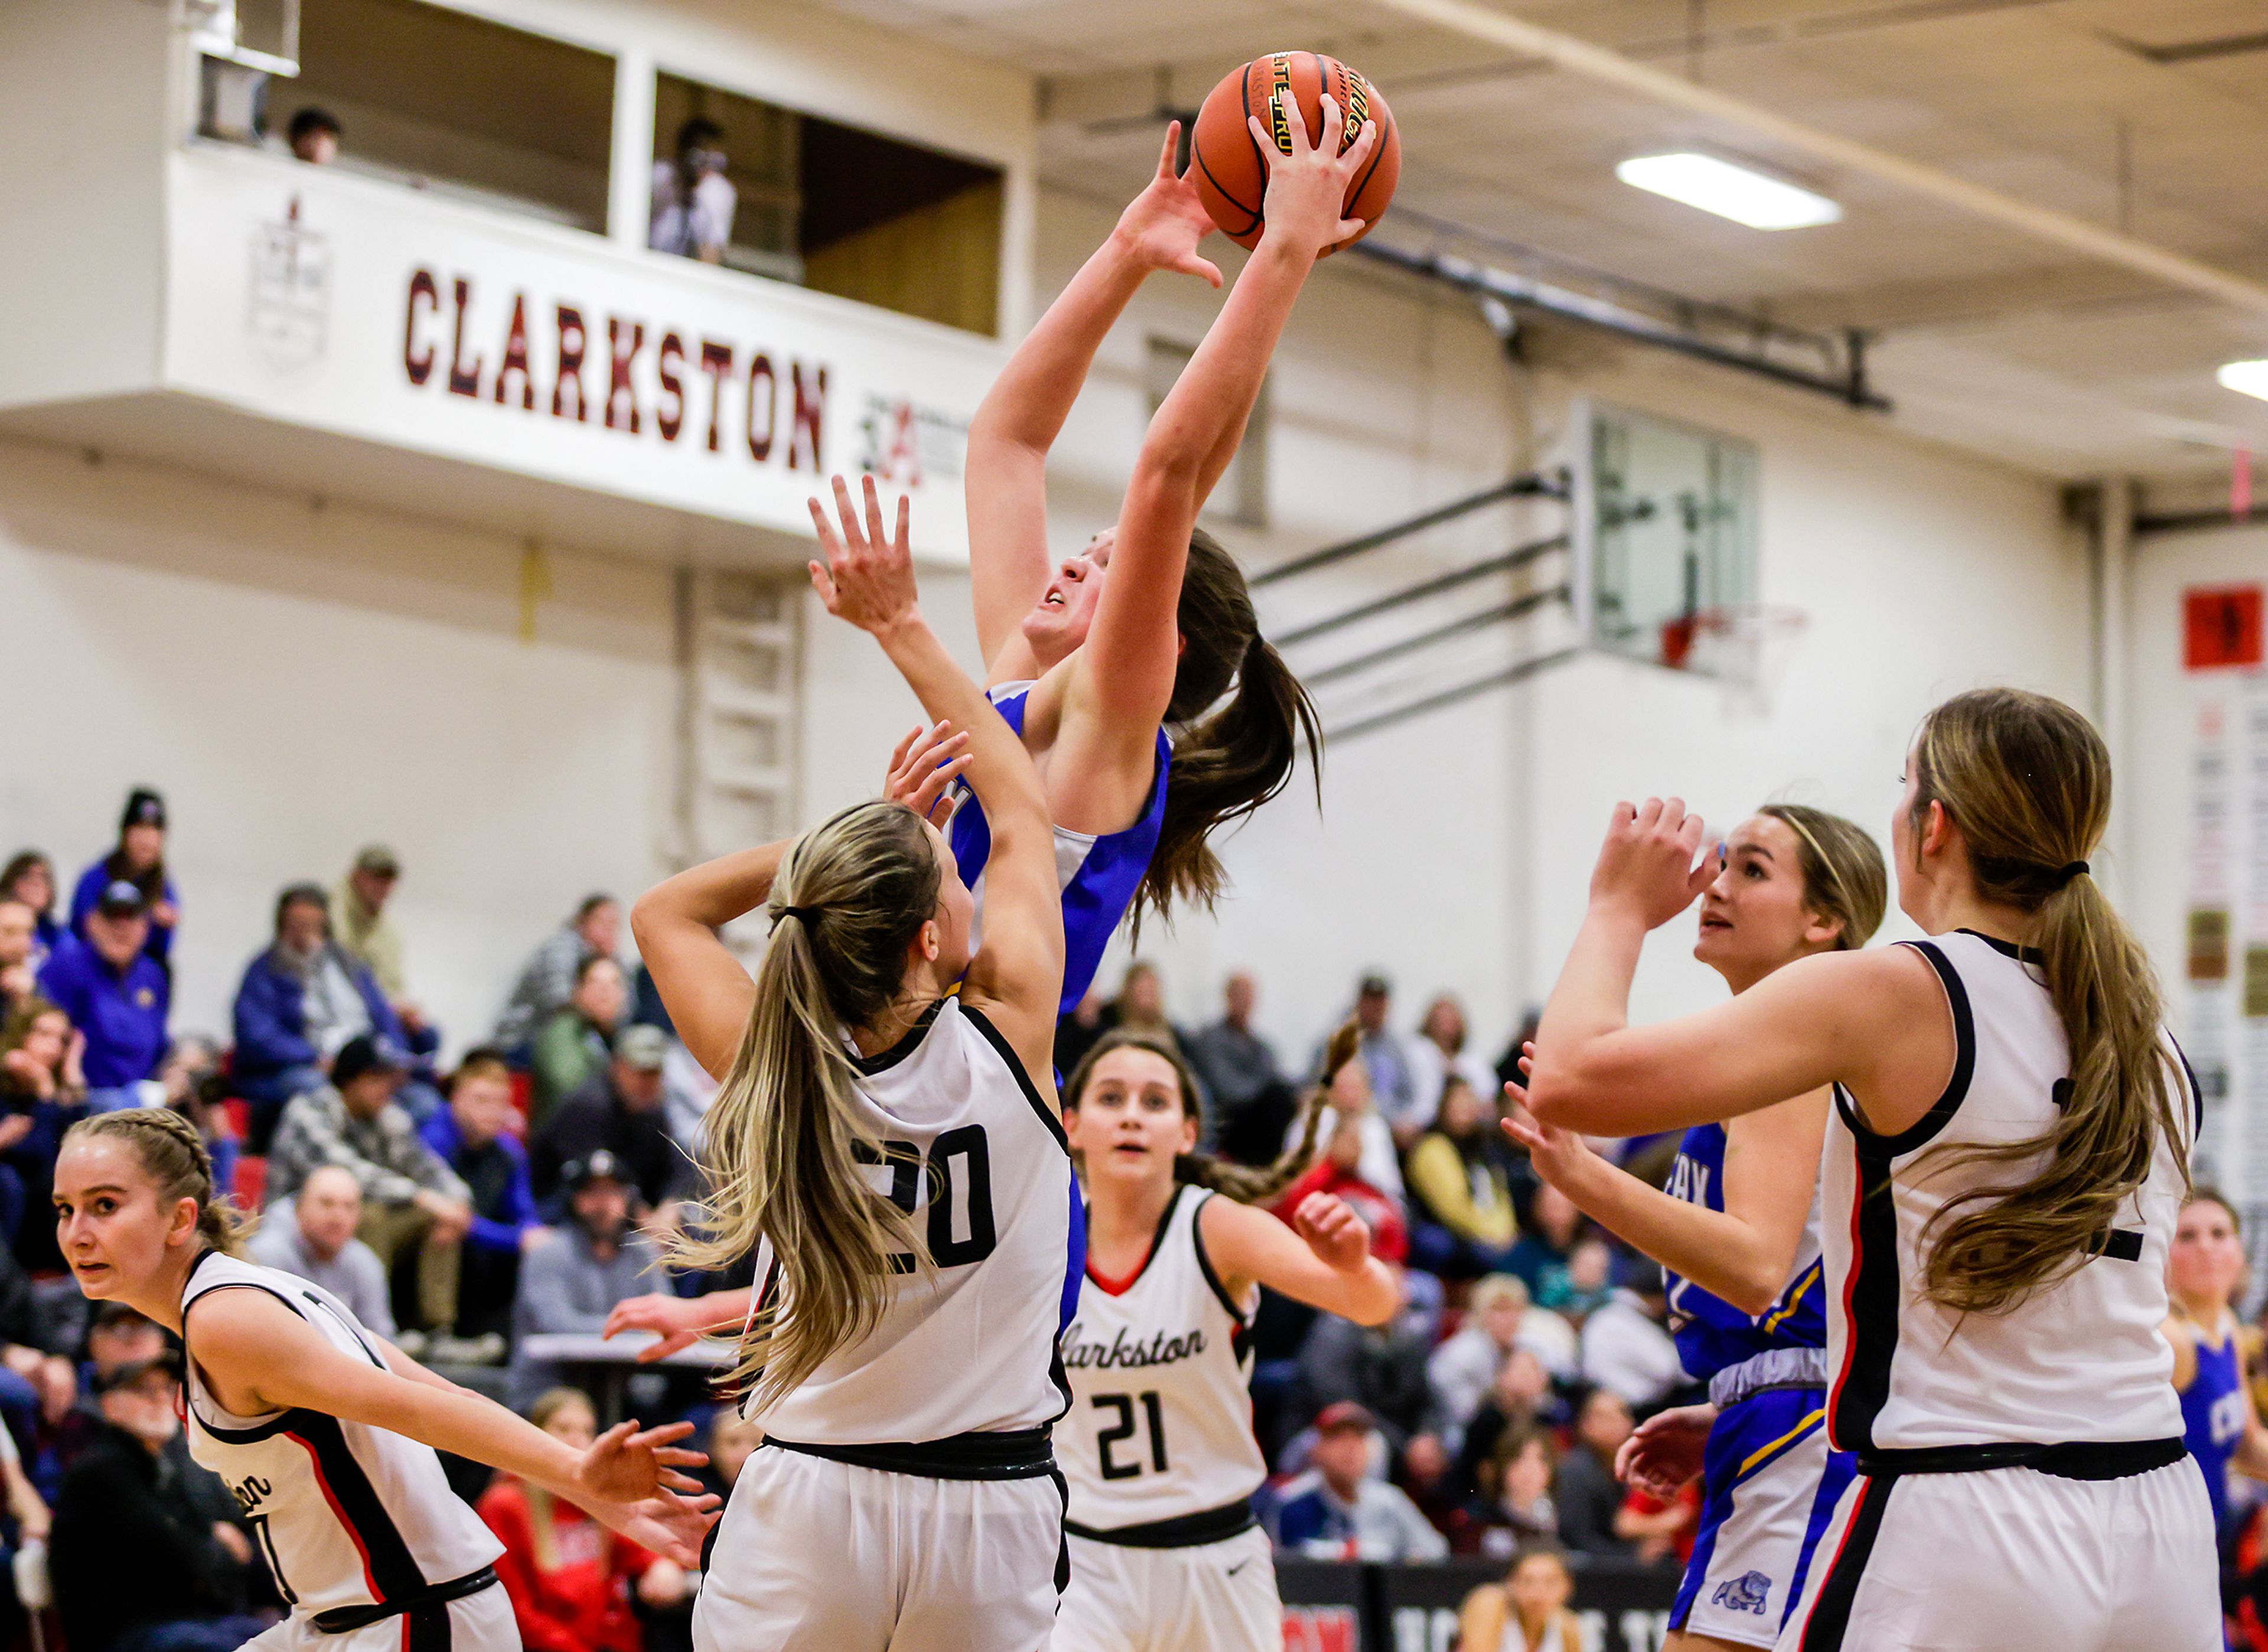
{"x":2212,"y":1414}
{"x":1099,"y":875}
{"x":1712,"y":1334}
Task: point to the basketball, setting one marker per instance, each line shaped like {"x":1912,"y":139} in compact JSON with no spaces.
{"x":1231,"y":174}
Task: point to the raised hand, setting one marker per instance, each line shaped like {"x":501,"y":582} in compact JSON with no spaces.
{"x":671,"y":1526}
{"x":1665,"y":1450}
{"x":923,"y":770}
{"x":1333,"y":1231}
{"x":627,"y":1465}
{"x":1558,"y":1156}
{"x":1646,"y":867}
{"x":677,"y":1320}
{"x":868,"y":576}
{"x":1162,"y":226}
{"x":1308,"y":186}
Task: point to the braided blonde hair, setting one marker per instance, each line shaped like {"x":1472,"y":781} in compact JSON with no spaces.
{"x":174,"y":1156}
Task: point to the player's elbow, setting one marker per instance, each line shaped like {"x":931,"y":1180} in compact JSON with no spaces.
{"x":1166,"y":469}
{"x":1754,"y":1291}
{"x":1557,"y":1096}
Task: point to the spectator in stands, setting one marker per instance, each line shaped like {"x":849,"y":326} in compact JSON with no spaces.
{"x":1513,"y":1506}
{"x":1339,"y":1172}
{"x":1439,"y":1053}
{"x":1140,"y":1005}
{"x":1660,"y":1531}
{"x":1527,"y":1611}
{"x":411,"y":1201}
{"x":1375,"y":1162}
{"x":20,"y":954}
{"x":595,"y":1261}
{"x":117,"y":995}
{"x":30,"y":877}
{"x":316,"y":1241}
{"x":1583,"y":1285}
{"x":1546,"y":1242}
{"x":693,"y":201}
{"x":1461,"y":1220}
{"x":361,"y":924}
{"x":1336,"y":1511}
{"x":474,"y":1136}
{"x":1499,"y":1318}
{"x":301,"y":1001}
{"x":570,"y":1579}
{"x":622,"y":1111}
{"x":1252,"y":1100}
{"x":1393,"y":1081}
{"x":1626,"y":1347}
{"x":733,"y":1441}
{"x":314,"y":136}
{"x":41,"y":1088}
{"x":1379,"y":1367}
{"x":548,"y":977}
{"x":573,"y":1045}
{"x":138,"y":1564}
{"x":1585,"y":1487}
{"x":1521,"y":1397}
{"x":138,"y":858}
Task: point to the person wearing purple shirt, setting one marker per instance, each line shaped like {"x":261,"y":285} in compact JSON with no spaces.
{"x":115,"y":993}
{"x":139,"y":859}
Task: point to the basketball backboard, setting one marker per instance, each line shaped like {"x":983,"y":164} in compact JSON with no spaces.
{"x":1664,"y":526}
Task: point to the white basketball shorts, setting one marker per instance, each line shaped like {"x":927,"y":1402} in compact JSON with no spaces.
{"x":477,"y":1623}
{"x":1208,"y":1597}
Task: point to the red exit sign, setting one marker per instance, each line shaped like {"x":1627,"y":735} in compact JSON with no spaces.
{"x":2221,"y":626}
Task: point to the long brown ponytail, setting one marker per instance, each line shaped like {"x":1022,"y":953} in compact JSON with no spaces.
{"x":2028,"y":781}
{"x":1236,"y":759}
{"x":783,"y":1142}
{"x":172,"y":1154}
{"x":1247,"y":1184}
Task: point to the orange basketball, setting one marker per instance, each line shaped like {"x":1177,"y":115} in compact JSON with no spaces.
{"x":1232,"y":169}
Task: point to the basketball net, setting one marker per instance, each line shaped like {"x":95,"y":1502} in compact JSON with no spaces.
{"x":1741,"y":643}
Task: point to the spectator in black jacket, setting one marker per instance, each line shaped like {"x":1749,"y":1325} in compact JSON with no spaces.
{"x":1585,"y":1489}
{"x":138,"y":1565}
{"x":623,"y":1111}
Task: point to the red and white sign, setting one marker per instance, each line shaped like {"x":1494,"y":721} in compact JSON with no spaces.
{"x":2221,"y":626}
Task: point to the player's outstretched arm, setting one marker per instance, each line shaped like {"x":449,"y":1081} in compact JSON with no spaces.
{"x":1124,"y":679}
{"x":1326,"y":1262}
{"x":1017,"y":975}
{"x":258,"y":1356}
{"x":1023,"y":413}
{"x":679,"y":1321}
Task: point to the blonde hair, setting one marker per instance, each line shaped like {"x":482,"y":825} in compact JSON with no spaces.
{"x":172,"y":1154}
{"x":1247,"y":1184}
{"x":784,"y":1142}
{"x":543,"y":1510}
{"x":2028,"y":781}
{"x":1844,"y":879}
{"x":1496,"y":1288}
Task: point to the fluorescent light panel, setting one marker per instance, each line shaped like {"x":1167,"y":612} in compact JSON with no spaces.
{"x":1729,"y":191}
{"x":2246,"y":378}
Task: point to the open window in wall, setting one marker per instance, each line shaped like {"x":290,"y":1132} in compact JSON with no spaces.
{"x":774,"y":192}
{"x":437,"y":99}
{"x":1241,"y":495}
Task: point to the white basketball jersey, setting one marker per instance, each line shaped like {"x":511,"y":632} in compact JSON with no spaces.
{"x":978,"y":1158}
{"x":346,"y":1514}
{"x":2079,"y":1360}
{"x":1161,"y":1409}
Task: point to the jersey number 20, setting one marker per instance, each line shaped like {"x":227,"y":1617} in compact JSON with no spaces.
{"x":973,"y":1185}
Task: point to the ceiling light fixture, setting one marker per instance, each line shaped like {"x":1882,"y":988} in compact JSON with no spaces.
{"x":2246,"y":378}
{"x":1729,"y":191}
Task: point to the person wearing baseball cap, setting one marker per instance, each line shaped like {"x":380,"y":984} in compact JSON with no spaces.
{"x":114,"y":992}
{"x":595,"y":1261}
{"x":361,"y":924}
{"x":624,"y":1110}
{"x":1339,"y":1509}
{"x":139,"y":859}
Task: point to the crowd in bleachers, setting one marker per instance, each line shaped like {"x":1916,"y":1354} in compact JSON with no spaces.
{"x":525,"y":1185}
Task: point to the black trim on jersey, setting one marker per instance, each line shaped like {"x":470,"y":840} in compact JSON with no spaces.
{"x":1156,"y":1244}
{"x":359,"y":1506}
{"x":351,"y":1329}
{"x":1182,"y":1531}
{"x":1830,"y":1613}
{"x":2007,"y":948}
{"x":427,"y":1630}
{"x":1925,"y":1128}
{"x":1004,"y":1454}
{"x":2120,"y":1244}
{"x":2196,"y":1090}
{"x":882,"y":1061}
{"x":1237,"y":1315}
{"x":1048,"y":1115}
{"x":273,"y":1425}
{"x":346,"y":1619}
{"x":1871,"y":1295}
{"x":2071,"y":1460}
{"x":1062,"y":1530}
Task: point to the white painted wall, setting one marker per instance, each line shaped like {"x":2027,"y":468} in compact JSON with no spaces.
{"x":299,"y":682}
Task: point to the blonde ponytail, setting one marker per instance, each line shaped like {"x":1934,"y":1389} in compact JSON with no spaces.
{"x":2028,"y":781}
{"x":784,"y":1142}
{"x":172,"y":1154}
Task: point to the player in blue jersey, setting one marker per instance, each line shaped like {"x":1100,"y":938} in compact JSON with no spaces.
{"x":1095,"y":658}
{"x":1738,"y":1229}
{"x":2203,"y":1270}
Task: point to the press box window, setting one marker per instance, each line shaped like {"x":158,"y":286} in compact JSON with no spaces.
{"x":1241,"y":494}
{"x":827,"y":206}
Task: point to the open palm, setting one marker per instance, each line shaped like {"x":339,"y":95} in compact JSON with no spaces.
{"x":1164,"y":223}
